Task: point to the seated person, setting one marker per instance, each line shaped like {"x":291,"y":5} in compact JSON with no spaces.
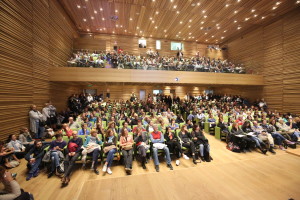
{"x":157,"y":138}
{"x":239,"y":138}
{"x":263,"y":135}
{"x":25,"y":138}
{"x":173,"y":125}
{"x":84,"y":130}
{"x":72,"y":124}
{"x":211,"y":120}
{"x":67,"y":130}
{"x":149,"y":127}
{"x":110,"y":148}
{"x":142,"y":143}
{"x":189,"y":124}
{"x":179,"y":119}
{"x":19,"y":149}
{"x":12,"y":188}
{"x":72,"y":153}
{"x":7,"y":157}
{"x":92,"y":146}
{"x":223,"y":126}
{"x":187,"y":142}
{"x":259,"y":143}
{"x":125,"y":125}
{"x":56,"y":154}
{"x":173,"y":144}
{"x":139,"y":125}
{"x":199,"y":140}
{"x":126,"y":143}
{"x":34,"y":158}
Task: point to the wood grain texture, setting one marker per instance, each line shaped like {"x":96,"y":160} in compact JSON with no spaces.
{"x":151,"y":76}
{"x":34,"y":36}
{"x":273,"y":51}
{"x":219,"y":179}
{"x":196,"y":17}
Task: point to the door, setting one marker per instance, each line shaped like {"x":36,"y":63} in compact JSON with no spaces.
{"x":142,"y":95}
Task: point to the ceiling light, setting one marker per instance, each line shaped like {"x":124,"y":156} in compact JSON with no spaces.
{"x":205,"y":16}
{"x":150,"y":18}
{"x":104,"y":28}
{"x":100,"y":29}
{"x":153,"y":21}
{"x":201,"y":27}
{"x":153,"y":0}
{"x":103,"y":19}
{"x":88,"y":29}
{"x":95,"y":11}
{"x":130,"y":19}
{"x":155,"y":27}
{"x":125,"y":30}
{"x":113,"y":32}
{"x":166,"y":35}
{"x":238,"y":1}
{"x":202,"y":22}
{"x":222,"y":38}
{"x":135,"y":34}
{"x":176,"y":35}
{"x":196,"y":40}
{"x":179,"y":32}
{"x":239,"y":28}
{"x":101,"y":9}
{"x":274,"y":8}
{"x":171,"y":0}
{"x":246,"y":19}
{"x":84,"y":20}
{"x":253,"y":10}
{"x":175,"y":6}
{"x":92,"y":17}
{"x":198,"y":4}
{"x":203,"y":11}
{"x":218,"y":27}
{"x":141,"y":31}
{"x":206,"y":40}
{"x":235,"y":11}
{"x":217,"y":24}
{"x":212,"y":36}
{"x":189,"y":26}
{"x":277,"y":3}
{"x":205,"y":33}
{"x":165,"y":30}
{"x":225,"y":31}
{"x":157,"y":12}
{"x":262,"y":17}
{"x":137,"y":27}
{"x":116,"y":11}
{"x":121,"y":26}
{"x":226,"y":5}
{"x":180,"y":22}
{"x":177,"y":12}
{"x":190,"y":20}
{"x":297,"y":2}
{"x":150,"y":35}
{"x":117,"y":25}
{"x":190,"y":33}
{"x":255,"y":15}
{"x":78,"y":6}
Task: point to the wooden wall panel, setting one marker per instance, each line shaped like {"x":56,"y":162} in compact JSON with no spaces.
{"x":30,"y":44}
{"x":274,"y":51}
{"x":130,"y":44}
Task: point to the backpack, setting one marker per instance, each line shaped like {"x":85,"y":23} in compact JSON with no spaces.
{"x":232,"y":147}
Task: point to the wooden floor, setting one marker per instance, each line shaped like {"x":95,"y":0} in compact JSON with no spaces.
{"x":228,"y":176}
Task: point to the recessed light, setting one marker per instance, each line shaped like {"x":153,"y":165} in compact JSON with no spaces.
{"x":202,"y":22}
{"x":297,"y":2}
{"x":92,"y":17}
{"x":255,"y":15}
{"x":222,"y":38}
{"x":137,"y":27}
{"x":150,"y":35}
{"x":175,"y":6}
{"x":177,"y":12}
{"x":171,"y":0}
{"x":235,"y":21}
{"x":277,"y":3}
{"x":157,"y":12}
{"x":274,"y":8}
{"x":235,"y":11}
{"x":103,"y":19}
{"x":165,"y":30}
{"x":125,"y":30}
{"x":101,"y":9}
{"x":100,"y":29}
{"x":246,"y":19}
{"x":117,"y":25}
{"x":95,"y":11}
{"x":104,"y":28}
{"x":153,"y":21}
{"x":225,"y":31}
{"x":253,"y":10}
{"x":201,"y":27}
{"x":130,"y":19}
{"x":141,"y":31}
{"x":226,"y":5}
{"x":78,"y":6}
{"x":205,"y":16}
{"x":153,"y":0}
{"x":238,"y":1}
{"x":263,"y":17}
{"x":150,"y":18}
{"x":217,"y":24}
{"x":239,"y":28}
{"x":190,"y":33}
{"x":218,"y":27}
{"x":189,"y":26}
{"x":84,"y":20}
{"x":121,"y":26}
{"x":113,"y":32}
{"x":155,"y":27}
{"x":198,"y":4}
{"x":205,"y":33}
{"x":180,"y":22}
{"x":190,"y":20}
{"x":203,"y":11}
{"x":212,"y":36}
{"x":176,"y":35}
{"x":196,"y":40}
{"x":116,"y":11}
{"x":179,"y":32}
{"x":88,"y":29}
{"x":206,"y":40}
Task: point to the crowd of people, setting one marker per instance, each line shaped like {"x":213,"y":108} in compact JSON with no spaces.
{"x":94,"y":129}
{"x":153,"y":61}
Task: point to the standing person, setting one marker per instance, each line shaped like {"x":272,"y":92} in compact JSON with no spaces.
{"x":72,"y":153}
{"x":46,"y":114}
{"x":36,"y":122}
{"x":126,"y":142}
{"x":56,"y":149}
{"x":142,"y":142}
{"x":157,"y":138}
{"x":52,"y":113}
{"x":34,"y":158}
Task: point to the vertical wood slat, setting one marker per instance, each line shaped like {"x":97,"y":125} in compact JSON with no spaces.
{"x":29,"y":37}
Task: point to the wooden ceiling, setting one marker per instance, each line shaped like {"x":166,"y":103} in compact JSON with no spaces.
{"x":206,"y":21}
